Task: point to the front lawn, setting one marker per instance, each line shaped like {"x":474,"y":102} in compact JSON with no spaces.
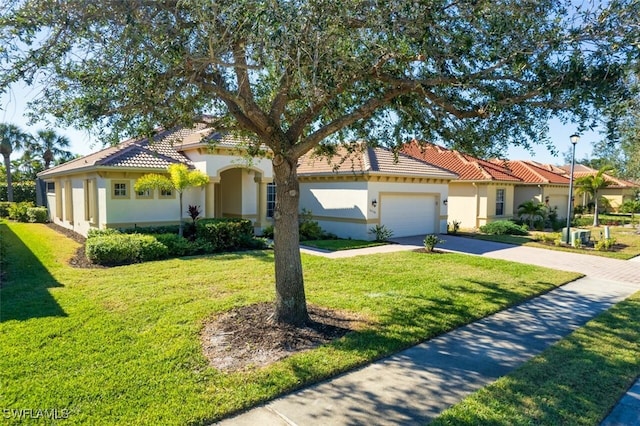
{"x":122,"y":345}
{"x":335,"y":245}
{"x":627,"y":241}
{"x":575,"y":382}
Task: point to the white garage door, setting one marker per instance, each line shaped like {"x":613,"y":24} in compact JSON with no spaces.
{"x":408,"y":214}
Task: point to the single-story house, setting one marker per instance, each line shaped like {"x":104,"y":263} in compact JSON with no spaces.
{"x":484,"y":191}
{"x":349,"y":193}
{"x":616,"y":193}
{"x":97,"y":190}
{"x":539,"y":183}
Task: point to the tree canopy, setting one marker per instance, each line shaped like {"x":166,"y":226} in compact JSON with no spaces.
{"x":475,"y":75}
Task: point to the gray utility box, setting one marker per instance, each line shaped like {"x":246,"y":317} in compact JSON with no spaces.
{"x":584,"y":235}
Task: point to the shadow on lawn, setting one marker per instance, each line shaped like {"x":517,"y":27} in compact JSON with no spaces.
{"x":24,"y":293}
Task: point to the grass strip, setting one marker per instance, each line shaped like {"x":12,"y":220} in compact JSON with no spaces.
{"x":575,"y":382}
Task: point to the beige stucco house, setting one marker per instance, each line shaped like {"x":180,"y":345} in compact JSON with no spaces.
{"x":349,"y":193}
{"x":96,"y":191}
{"x":484,"y":191}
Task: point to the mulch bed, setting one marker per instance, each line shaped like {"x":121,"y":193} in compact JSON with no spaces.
{"x":245,"y":338}
{"x":79,"y":259}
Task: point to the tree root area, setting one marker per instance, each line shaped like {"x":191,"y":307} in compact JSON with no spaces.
{"x":246,"y":338}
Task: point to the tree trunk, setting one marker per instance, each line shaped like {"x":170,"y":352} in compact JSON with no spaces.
{"x":596,"y":222}
{"x":291,"y":305}
{"x":7,"y":166}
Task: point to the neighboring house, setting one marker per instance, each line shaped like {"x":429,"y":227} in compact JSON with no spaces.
{"x":349,"y":193}
{"x":616,"y":193}
{"x":484,"y":191}
{"x":539,"y":182}
{"x":96,"y":191}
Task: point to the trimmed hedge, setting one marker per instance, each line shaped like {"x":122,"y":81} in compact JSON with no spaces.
{"x":226,"y":234}
{"x":504,"y":227}
{"x":37,"y":214}
{"x":22,"y":191}
{"x":4,"y":208}
{"x":123,"y":249}
{"x":19,"y":211}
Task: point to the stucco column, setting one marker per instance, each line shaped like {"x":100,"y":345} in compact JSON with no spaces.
{"x":210,"y":198}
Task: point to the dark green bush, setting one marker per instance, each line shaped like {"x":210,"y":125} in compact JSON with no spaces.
{"x":309,"y":228}
{"x":504,"y":227}
{"x":177,"y":245}
{"x":164,"y":229}
{"x":93,"y":232}
{"x":268,"y":232}
{"x":37,"y":214}
{"x":4,"y":208}
{"x":22,"y":191}
{"x":225,"y":234}
{"x":18,"y":211}
{"x":122,"y":249}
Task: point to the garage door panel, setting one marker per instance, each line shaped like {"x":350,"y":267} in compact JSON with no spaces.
{"x":408,"y":214}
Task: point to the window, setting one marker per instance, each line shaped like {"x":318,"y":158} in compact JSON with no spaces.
{"x":500,"y":202}
{"x":166,"y":193}
{"x":271,"y":199}
{"x":51,"y":187}
{"x":120,"y":189}
{"x":144,"y":194}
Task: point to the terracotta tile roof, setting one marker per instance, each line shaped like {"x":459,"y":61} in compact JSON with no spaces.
{"x":580,"y":170}
{"x":465,"y":166}
{"x":532,"y":172}
{"x":133,"y":153}
{"x":369,"y":160}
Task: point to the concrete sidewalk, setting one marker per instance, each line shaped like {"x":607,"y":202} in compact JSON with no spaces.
{"x":416,"y":385}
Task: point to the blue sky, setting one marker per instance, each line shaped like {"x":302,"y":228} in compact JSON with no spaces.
{"x":13,"y":105}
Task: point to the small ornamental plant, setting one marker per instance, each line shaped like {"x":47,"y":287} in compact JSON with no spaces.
{"x":431,"y":241}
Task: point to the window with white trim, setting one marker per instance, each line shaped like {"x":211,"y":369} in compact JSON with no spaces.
{"x":271,"y":199}
{"x":500,"y":202}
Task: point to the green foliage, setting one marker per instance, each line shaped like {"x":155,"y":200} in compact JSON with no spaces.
{"x":4,"y":208}
{"x":94,"y":232}
{"x":381,"y":233}
{"x":431,"y":241}
{"x":309,"y":228}
{"x":161,"y":229}
{"x":630,"y":206}
{"x":22,"y":191}
{"x":453,"y":227}
{"x":268,"y":232}
{"x":38,"y":214}
{"x":533,"y":211}
{"x":122,"y":249}
{"x":177,"y":246}
{"x":504,"y":227}
{"x":605,"y":244}
{"x":18,"y":211}
{"x":225,"y":234}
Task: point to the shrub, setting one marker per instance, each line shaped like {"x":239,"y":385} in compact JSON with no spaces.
{"x":268,"y":232}
{"x":38,"y":214}
{"x":504,"y":227}
{"x":605,"y":244}
{"x":309,"y":228}
{"x":22,"y":192}
{"x":94,"y":232}
{"x":176,"y":245}
{"x":453,"y":227}
{"x":381,"y":233}
{"x":430,"y":242}
{"x":152,"y":230}
{"x":225,"y":234}
{"x":121,"y":249}
{"x":4,"y":208}
{"x":18,"y":211}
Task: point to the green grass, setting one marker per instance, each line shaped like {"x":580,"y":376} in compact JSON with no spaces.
{"x":627,"y":239}
{"x":122,"y":345}
{"x":335,"y":245}
{"x":575,"y":382}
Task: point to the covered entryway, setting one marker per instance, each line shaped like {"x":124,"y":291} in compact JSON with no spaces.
{"x":409,"y":214}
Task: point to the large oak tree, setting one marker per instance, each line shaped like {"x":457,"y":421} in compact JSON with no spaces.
{"x":294,"y":74}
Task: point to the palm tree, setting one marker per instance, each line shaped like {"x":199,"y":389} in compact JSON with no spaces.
{"x":591,"y":185}
{"x":49,"y":146}
{"x":532,"y":210}
{"x":11,"y":138}
{"x":180,"y":178}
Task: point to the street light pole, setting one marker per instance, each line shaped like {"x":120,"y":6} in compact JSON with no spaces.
{"x":574,"y":140}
